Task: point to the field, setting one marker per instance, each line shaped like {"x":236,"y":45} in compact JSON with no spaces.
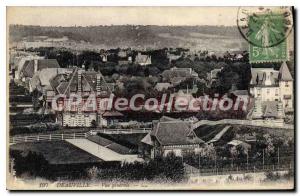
{"x":207,"y":132}
{"x":57,"y":152}
{"x":110,"y":144}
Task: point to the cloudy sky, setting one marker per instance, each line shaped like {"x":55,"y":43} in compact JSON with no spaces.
{"x":85,"y":16}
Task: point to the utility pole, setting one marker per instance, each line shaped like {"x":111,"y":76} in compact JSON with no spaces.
{"x":263,"y":159}
{"x":278,"y":157}
{"x":199,"y":163}
{"x":216,"y":163}
{"x":247,"y":160}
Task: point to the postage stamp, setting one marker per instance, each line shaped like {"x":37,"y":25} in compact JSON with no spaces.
{"x":266,"y":31}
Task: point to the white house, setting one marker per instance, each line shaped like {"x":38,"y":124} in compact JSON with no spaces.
{"x":272,"y":91}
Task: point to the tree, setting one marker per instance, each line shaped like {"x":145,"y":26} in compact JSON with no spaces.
{"x":93,"y":124}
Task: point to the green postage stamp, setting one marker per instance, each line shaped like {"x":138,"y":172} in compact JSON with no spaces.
{"x":267,"y":32}
{"x":276,"y":53}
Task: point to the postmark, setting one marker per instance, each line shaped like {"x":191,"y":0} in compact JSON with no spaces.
{"x":266,"y":30}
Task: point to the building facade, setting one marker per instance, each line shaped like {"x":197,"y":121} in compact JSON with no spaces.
{"x":268,"y":84}
{"x":91,"y":87}
{"x":170,"y":135}
{"x":272,"y":91}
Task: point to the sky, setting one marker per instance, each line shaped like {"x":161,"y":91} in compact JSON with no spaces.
{"x":93,"y":16}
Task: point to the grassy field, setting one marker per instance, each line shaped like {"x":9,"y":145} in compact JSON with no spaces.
{"x":57,"y":152}
{"x":110,"y":144}
{"x":207,"y":132}
{"x":129,"y":140}
{"x":242,"y":129}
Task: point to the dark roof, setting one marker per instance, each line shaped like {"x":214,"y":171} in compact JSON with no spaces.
{"x":259,"y":76}
{"x":284,"y":73}
{"x":240,"y":92}
{"x":270,"y":109}
{"x":175,"y":132}
{"x":66,"y":84}
{"x":112,"y":114}
{"x":28,"y":69}
{"x":166,"y":119}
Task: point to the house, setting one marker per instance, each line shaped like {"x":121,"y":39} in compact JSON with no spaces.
{"x":268,"y":110}
{"x":30,"y":67}
{"x":41,"y":78}
{"x":170,"y":135}
{"x":84,"y":84}
{"x":125,"y":61}
{"x":23,"y":62}
{"x":173,"y":57}
{"x":188,"y":71}
{"x":177,"y":75}
{"x":161,"y":86}
{"x":269,"y":85}
{"x":109,"y":118}
{"x":238,"y":143}
{"x":212,"y":76}
{"x":143,"y":59}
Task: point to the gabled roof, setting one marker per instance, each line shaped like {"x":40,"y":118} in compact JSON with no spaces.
{"x":162,"y":85}
{"x":66,"y":84}
{"x":270,"y":109}
{"x":28,"y":68}
{"x":259,"y":76}
{"x":147,"y":140}
{"x":143,"y":59}
{"x":284,"y":73}
{"x":175,"y":132}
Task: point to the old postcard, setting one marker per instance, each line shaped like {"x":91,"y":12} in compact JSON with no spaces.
{"x":150,"y":98}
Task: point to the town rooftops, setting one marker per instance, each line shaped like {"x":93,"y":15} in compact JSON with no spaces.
{"x":44,"y":76}
{"x":261,"y":75}
{"x":143,"y":59}
{"x":170,"y":131}
{"x":162,"y":86}
{"x":69,"y":83}
{"x":270,"y":109}
{"x":29,"y":66}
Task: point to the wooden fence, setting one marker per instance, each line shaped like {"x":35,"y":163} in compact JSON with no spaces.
{"x":47,"y":137}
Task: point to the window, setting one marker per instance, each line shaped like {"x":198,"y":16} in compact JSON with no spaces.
{"x":258,"y":92}
{"x":268,"y":91}
{"x":276,"y":92}
{"x":286,"y":84}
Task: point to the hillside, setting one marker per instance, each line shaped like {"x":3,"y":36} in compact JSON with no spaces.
{"x":217,"y":38}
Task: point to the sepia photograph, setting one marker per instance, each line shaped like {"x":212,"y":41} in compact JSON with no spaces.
{"x":150,"y":98}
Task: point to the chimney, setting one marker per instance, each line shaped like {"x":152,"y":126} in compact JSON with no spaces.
{"x":268,"y":78}
{"x":35,"y":65}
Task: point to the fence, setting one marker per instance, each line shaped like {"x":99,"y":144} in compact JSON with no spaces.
{"x":63,"y":136}
{"x":120,"y":131}
{"x":257,"y":123}
{"x":47,"y":137}
{"x":192,"y":171}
